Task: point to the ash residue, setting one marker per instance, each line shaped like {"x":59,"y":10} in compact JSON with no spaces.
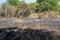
{"x":27,"y":34}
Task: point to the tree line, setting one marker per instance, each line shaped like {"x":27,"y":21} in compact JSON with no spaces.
{"x":16,"y":8}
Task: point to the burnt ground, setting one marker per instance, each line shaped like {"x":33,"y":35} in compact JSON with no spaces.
{"x":27,"y":34}
{"x":25,"y":29}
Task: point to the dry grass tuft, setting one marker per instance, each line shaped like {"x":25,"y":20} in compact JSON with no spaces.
{"x":45,"y":14}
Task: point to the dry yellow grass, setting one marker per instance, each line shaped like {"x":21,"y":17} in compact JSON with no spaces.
{"x":44,"y":14}
{"x":33,"y":15}
{"x":36,"y":27}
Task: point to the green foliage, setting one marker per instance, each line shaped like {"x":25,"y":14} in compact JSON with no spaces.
{"x":32,"y":6}
{"x":22,"y":6}
{"x":47,"y":4}
{"x":1,"y":11}
{"x":23,"y":9}
{"x":59,"y":9}
{"x":13,"y":2}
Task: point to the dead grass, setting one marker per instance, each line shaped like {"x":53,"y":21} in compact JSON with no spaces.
{"x":33,"y":15}
{"x":39,"y":28}
{"x":45,"y":14}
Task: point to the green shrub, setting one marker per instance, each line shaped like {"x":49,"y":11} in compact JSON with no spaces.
{"x":47,"y":4}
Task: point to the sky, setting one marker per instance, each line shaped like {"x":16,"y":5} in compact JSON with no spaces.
{"x":28,"y":1}
{"x":59,"y":2}
{"x":1,"y":1}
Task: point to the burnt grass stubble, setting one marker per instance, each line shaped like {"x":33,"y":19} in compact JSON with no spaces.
{"x":27,"y":34}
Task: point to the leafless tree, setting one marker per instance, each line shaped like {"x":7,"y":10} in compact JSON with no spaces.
{"x":9,"y":10}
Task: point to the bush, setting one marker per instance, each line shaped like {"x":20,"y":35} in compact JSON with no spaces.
{"x":47,"y":4}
